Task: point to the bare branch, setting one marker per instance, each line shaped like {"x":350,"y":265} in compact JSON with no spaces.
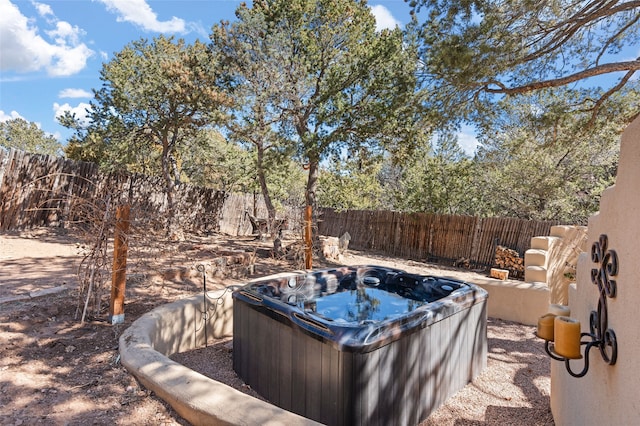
{"x":630,"y":66}
{"x":606,"y":95}
{"x":614,"y":37}
{"x":566,"y":29}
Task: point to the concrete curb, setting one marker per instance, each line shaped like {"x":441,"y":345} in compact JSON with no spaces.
{"x":177,"y":327}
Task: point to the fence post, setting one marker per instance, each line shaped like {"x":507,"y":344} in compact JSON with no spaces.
{"x":119,"y":274}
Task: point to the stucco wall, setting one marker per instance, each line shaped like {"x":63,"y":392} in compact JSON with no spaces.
{"x":608,"y":395}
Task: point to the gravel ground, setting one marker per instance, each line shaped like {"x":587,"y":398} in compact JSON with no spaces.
{"x":512,"y":390}
{"x":54,"y":370}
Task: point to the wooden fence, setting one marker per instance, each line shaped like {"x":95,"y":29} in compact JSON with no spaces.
{"x":430,"y":237}
{"x":38,"y":190}
{"x":234,"y":221}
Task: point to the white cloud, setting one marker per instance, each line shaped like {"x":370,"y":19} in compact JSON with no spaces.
{"x":12,"y":115}
{"x":80,"y":111}
{"x":70,"y":61}
{"x":25,"y":50}
{"x":467,"y":139}
{"x":44,"y":10}
{"x":198,"y":28}
{"x":138,"y":12}
{"x":75,"y":93}
{"x":384,"y":18}
{"x":64,"y":33}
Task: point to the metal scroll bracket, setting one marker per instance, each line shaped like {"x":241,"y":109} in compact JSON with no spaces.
{"x":599,"y":335}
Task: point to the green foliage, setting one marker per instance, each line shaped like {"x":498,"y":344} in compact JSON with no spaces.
{"x":475,"y":49}
{"x":538,"y":161}
{"x":319,"y":79}
{"x":108,"y":148}
{"x":26,"y":136}
{"x":308,"y":82}
{"x":155,"y":97}
{"x":209,"y":160}
{"x":438,"y":180}
{"x":286,"y":183}
{"x":351,"y":183}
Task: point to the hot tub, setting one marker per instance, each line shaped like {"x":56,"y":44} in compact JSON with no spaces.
{"x":359,"y":345}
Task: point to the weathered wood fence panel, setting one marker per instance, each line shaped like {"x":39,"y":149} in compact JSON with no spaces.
{"x":234,"y":220}
{"x":40,"y":190}
{"x":37,"y":190}
{"x":435,"y":238}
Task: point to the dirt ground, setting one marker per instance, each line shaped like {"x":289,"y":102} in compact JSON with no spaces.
{"x":56,"y":371}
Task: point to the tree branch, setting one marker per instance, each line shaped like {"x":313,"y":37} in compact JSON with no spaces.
{"x":607,"y":94}
{"x":630,"y":66}
{"x":566,"y":29}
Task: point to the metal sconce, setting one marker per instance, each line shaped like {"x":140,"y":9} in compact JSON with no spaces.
{"x":564,"y":331}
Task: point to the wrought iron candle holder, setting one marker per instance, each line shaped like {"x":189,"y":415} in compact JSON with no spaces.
{"x":599,"y":335}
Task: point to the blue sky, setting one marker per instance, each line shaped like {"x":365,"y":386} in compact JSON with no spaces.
{"x":51,"y":52}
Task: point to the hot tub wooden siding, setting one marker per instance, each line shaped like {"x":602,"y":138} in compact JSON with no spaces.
{"x":397,"y":384}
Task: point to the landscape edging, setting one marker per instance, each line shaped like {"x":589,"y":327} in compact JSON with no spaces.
{"x":146,"y":345}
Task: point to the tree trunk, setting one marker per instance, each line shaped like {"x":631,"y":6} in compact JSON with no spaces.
{"x":174,"y":169}
{"x":169,"y":187}
{"x":271,"y":210}
{"x":312,"y":184}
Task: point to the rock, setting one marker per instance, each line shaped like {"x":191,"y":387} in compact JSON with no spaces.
{"x":343,"y":243}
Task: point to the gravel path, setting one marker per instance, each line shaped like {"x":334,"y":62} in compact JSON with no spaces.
{"x":514,"y":389}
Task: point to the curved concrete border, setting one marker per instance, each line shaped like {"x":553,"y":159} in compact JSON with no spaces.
{"x":177,"y":327}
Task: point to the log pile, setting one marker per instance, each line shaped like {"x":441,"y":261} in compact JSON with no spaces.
{"x":510,"y":260}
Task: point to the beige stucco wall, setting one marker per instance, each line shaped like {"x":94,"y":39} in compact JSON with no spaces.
{"x":515,"y":300}
{"x":608,"y":395}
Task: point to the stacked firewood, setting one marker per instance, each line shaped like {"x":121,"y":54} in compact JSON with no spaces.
{"x":509,"y":259}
